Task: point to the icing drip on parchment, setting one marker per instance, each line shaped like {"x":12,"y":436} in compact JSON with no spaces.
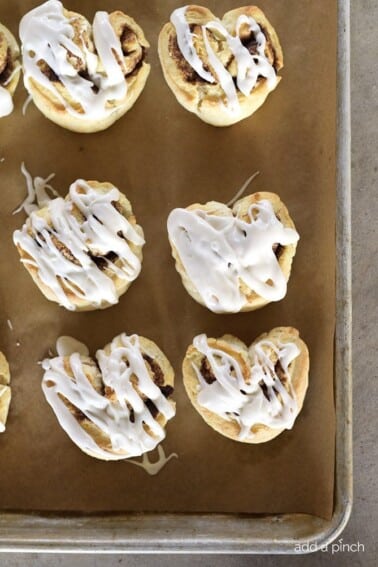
{"x":262,"y":399}
{"x":249,"y":66}
{"x":48,"y":35}
{"x":124,"y":417}
{"x":37,"y":189}
{"x":242,"y":189}
{"x":102,"y":231}
{"x":153,"y":468}
{"x":218,"y":252}
{"x":25,"y":106}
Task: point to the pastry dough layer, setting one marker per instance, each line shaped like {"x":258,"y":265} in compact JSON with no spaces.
{"x":5,"y":391}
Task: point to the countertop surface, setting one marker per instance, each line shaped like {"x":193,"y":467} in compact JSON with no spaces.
{"x":362,"y":525}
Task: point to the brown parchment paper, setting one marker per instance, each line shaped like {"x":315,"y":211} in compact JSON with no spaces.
{"x":163,"y":157}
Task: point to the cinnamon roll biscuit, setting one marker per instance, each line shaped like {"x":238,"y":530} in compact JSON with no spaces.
{"x":117,"y":405}
{"x":82,"y":77}
{"x":10,"y":69}
{"x":5,"y":391}
{"x":83,"y":251}
{"x":237,"y":259}
{"x":222,"y":70}
{"x":248,"y":394}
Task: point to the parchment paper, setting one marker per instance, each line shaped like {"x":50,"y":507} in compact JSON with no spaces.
{"x":163,"y":157}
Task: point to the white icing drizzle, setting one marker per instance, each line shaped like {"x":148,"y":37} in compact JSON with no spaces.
{"x":242,"y":189}
{"x":65,"y":346}
{"x":37,"y":196}
{"x":225,"y":396}
{"x":118,"y":368}
{"x":153,"y":468}
{"x":6,"y":102}
{"x":186,"y":45}
{"x":47,"y":34}
{"x":218,"y":252}
{"x":26,"y":104}
{"x":103,"y":231}
{"x":11,"y":76}
{"x":10,"y":324}
{"x":249,"y":67}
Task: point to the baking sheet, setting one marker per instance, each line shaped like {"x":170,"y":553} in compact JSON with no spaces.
{"x":163,"y":157}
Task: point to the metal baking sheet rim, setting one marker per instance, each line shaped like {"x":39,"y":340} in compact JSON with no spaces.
{"x":214,"y":533}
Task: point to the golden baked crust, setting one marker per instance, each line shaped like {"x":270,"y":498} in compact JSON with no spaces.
{"x":9,"y":60}
{"x":5,"y":391}
{"x":158,"y":367}
{"x":298,"y":371}
{"x":134,"y":47}
{"x":123,"y":206}
{"x":284,"y":254}
{"x":204,"y":99}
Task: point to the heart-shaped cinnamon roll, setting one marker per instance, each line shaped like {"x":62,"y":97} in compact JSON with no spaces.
{"x":237,"y":259}
{"x":115,"y":406}
{"x":85,"y":250}
{"x":10,"y":69}
{"x":222,"y":70}
{"x":82,"y":77}
{"x":249,"y":395}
